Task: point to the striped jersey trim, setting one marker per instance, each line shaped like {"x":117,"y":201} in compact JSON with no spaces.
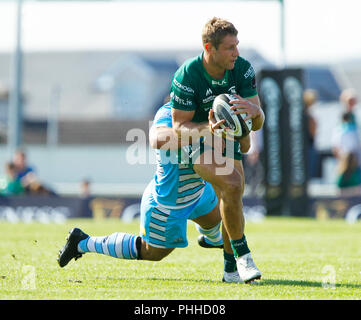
{"x":156,"y":236}
{"x":191,"y":196}
{"x":156,"y":226}
{"x":189,"y":186}
{"x":157,"y":229}
{"x":188,"y":176}
{"x":156,"y":245}
{"x":180,"y":206}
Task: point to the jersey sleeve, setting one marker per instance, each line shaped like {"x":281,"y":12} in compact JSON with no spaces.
{"x":182,"y":92}
{"x":247,"y":82}
{"x":163,"y":117}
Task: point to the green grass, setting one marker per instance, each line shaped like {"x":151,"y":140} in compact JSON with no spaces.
{"x":296,"y":257}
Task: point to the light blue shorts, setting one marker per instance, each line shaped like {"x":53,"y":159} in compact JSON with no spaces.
{"x":167,"y":228}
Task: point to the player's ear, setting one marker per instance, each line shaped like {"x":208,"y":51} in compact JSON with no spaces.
{"x":208,"y":47}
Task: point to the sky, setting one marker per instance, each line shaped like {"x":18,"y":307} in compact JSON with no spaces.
{"x":315,"y":30}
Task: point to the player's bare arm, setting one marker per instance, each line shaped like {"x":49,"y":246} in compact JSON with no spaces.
{"x":182,"y":121}
{"x":252,"y":107}
{"x":164,"y":137}
{"x":185,"y":128}
{"x":245,"y":143}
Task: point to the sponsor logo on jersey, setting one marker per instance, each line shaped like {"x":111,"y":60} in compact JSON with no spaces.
{"x":249,"y":73}
{"x":208,"y":92}
{"x":208,"y":99}
{"x":219,"y":83}
{"x":184,"y":102}
{"x":182,"y":86}
{"x":232,"y":90}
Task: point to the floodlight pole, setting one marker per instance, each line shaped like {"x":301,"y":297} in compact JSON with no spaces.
{"x":53,"y":126}
{"x":282,"y":34}
{"x":14,"y":139}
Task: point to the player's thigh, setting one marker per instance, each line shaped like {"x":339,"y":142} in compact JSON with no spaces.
{"x":238,"y":166}
{"x":206,"y":211}
{"x":225,"y":174}
{"x":206,"y":166}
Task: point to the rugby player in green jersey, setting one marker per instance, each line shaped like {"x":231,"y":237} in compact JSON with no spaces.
{"x":219,"y":69}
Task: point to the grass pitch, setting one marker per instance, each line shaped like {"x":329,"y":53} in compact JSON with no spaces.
{"x":299,"y":259}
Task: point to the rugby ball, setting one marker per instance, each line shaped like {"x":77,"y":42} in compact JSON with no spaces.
{"x":235,"y":122}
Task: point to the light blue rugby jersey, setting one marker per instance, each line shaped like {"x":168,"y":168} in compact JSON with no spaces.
{"x":175,"y":185}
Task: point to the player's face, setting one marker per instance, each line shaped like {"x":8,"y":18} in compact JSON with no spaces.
{"x":227,"y":52}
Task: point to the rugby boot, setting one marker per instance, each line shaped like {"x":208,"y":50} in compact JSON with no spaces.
{"x":202,"y":242}
{"x":247,"y":269}
{"x":70,"y":250}
{"x":231,"y":277}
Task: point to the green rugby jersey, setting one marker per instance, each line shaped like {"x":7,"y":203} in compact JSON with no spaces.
{"x":194,"y":89}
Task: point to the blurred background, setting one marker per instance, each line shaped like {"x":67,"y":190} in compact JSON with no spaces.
{"x":77,"y":76}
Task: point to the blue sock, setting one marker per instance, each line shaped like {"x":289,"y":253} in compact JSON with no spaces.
{"x":212,"y":236}
{"x":118,"y":245}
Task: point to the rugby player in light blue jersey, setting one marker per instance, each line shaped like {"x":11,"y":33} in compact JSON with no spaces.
{"x":175,"y":195}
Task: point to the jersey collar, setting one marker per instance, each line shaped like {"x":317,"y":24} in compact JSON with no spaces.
{"x":214,"y":82}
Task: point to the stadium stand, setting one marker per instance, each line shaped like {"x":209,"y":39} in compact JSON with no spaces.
{"x":94,"y":97}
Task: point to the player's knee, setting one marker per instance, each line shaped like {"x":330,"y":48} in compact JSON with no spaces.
{"x":233,"y":184}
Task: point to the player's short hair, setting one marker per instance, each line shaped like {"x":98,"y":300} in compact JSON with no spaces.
{"x":216,"y":29}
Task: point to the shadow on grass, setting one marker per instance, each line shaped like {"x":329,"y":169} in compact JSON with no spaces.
{"x":302,"y":283}
{"x":263,"y":282}
{"x":165,"y":279}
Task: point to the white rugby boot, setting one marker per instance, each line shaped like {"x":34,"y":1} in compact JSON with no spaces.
{"x":231,"y":277}
{"x":247,"y":269}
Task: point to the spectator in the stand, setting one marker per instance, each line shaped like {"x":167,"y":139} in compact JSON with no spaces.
{"x":347,"y":150}
{"x":348,"y":99}
{"x":86,"y":196}
{"x":310,"y":97}
{"x":25,"y":173}
{"x":9,"y":184}
{"x":85,"y":188}
{"x":36,"y":188}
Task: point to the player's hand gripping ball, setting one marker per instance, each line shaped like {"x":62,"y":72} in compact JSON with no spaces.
{"x":235,"y":123}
